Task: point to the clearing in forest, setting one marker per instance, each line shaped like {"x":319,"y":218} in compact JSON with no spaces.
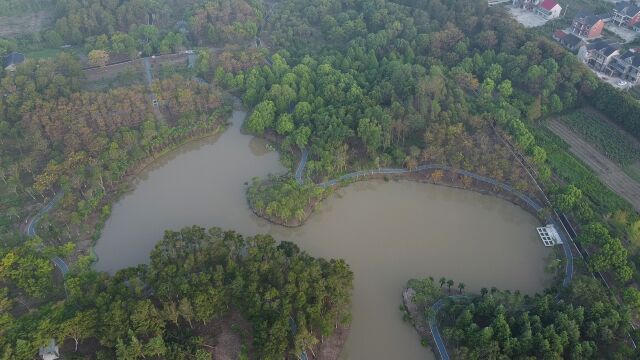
{"x":606,"y":170}
{"x":525,"y":17}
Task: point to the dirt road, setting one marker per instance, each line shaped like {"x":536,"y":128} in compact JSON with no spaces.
{"x":608,"y":171}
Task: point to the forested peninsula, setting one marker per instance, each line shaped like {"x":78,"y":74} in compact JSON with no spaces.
{"x":201,"y":285}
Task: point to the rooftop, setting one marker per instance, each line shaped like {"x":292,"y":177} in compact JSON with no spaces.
{"x":626,"y":8}
{"x":603,"y":46}
{"x":631,"y":57}
{"x":548,"y":4}
{"x":549,"y":235}
{"x":587,"y":17}
{"x":571,"y":40}
{"x":559,"y":34}
{"x":13,"y":58}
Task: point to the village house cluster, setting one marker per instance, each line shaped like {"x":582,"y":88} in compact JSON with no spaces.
{"x":626,"y":14}
{"x":605,"y":56}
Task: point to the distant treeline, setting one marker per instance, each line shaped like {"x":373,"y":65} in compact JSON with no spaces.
{"x":16,"y":7}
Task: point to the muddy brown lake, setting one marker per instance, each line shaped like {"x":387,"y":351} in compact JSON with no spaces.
{"x":387,"y":232}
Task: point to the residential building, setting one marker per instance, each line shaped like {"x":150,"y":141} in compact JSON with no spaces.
{"x":12,"y":60}
{"x":626,"y":67}
{"x":599,"y":54}
{"x":558,"y":35}
{"x":571,"y":42}
{"x":626,"y":14}
{"x":548,"y":9}
{"x":587,"y":25}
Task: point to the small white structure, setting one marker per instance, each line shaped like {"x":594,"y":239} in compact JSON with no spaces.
{"x":549,"y":235}
{"x":50,"y":352}
{"x":549,"y":9}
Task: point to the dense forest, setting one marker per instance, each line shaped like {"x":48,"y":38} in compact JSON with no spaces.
{"x":133,"y":27}
{"x":284,"y":200}
{"x":163,"y":26}
{"x":360,"y":85}
{"x":388,"y":85}
{"x":369,"y":85}
{"x":584,"y":324}
{"x":219,"y":22}
{"x":45,"y":150}
{"x":60,"y":140}
{"x":166,"y":309}
{"x":18,"y":7}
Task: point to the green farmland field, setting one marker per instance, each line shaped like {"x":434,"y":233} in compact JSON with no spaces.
{"x":612,"y":142}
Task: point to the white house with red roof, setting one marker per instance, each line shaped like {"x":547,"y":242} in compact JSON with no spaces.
{"x":549,"y":9}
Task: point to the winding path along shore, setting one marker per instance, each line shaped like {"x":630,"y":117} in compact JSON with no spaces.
{"x":567,"y":242}
{"x":30,"y":230}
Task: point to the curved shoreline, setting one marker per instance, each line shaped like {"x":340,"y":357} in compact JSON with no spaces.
{"x":525,"y":202}
{"x":125,"y":184}
{"x":116,"y":193}
{"x":518,"y":198}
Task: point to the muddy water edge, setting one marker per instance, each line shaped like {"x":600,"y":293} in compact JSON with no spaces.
{"x":387,"y":232}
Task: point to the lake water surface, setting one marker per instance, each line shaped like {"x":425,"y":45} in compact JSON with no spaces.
{"x":387,"y":232}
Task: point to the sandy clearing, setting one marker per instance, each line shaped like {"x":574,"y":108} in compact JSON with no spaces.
{"x":526,"y":18}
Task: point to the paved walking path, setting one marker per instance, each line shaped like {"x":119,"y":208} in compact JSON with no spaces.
{"x":30,"y":230}
{"x":433,"y":325}
{"x":535,"y":206}
{"x":435,"y":331}
{"x":396,"y":171}
{"x":301,"y":165}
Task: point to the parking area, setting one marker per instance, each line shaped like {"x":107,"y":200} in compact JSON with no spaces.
{"x":526,"y":18}
{"x":614,"y":81}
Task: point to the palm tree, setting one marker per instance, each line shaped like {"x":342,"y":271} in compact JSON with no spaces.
{"x":442,"y":281}
{"x":461,"y":287}
{"x":450,"y":284}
